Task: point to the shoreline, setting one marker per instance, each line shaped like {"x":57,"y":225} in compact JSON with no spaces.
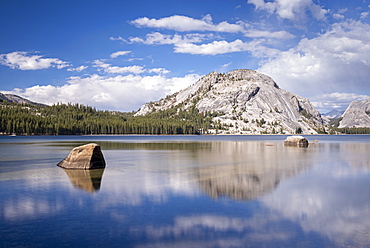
{"x":90,"y":135}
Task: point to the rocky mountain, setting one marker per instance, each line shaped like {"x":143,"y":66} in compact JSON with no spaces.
{"x":243,"y":101}
{"x":333,"y":117}
{"x":17,"y":99}
{"x":333,"y":114}
{"x":356,"y":115}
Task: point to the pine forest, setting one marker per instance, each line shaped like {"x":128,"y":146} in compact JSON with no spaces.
{"x":70,"y":119}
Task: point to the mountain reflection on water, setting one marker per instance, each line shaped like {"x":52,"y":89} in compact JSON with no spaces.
{"x":242,"y":171}
{"x":242,"y":182}
{"x":161,"y":192}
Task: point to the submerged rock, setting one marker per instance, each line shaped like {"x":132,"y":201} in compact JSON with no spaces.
{"x":84,"y":157}
{"x":296,"y":141}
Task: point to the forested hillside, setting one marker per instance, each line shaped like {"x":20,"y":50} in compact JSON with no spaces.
{"x":67,"y":119}
{"x":64,"y":119}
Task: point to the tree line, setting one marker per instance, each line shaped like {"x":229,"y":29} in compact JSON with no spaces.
{"x":350,"y":130}
{"x":69,"y":119}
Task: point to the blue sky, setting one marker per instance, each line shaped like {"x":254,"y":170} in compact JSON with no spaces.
{"x":118,"y":55}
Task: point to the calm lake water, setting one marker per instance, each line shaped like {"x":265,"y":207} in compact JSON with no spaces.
{"x":187,"y":191}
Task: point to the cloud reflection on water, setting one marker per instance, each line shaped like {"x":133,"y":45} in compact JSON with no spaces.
{"x":317,"y":200}
{"x":334,"y":204}
{"x":253,"y":193}
{"x":30,"y":208}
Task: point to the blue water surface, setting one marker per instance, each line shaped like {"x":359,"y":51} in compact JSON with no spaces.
{"x":187,"y":191}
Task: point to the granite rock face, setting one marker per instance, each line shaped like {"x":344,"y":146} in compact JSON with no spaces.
{"x":243,"y":102}
{"x":356,"y":115}
{"x":85,"y":157}
{"x":17,"y":99}
{"x":296,"y":141}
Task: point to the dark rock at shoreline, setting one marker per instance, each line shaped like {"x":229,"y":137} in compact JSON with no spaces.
{"x":86,"y":157}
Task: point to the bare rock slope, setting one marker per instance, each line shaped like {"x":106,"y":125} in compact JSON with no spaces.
{"x":243,"y":101}
{"x":17,"y":99}
{"x":356,"y":115}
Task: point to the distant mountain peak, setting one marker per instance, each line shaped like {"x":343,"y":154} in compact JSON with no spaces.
{"x":17,"y":99}
{"x":243,"y":101}
{"x":335,"y":113}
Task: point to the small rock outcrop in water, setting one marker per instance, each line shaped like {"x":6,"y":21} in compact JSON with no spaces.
{"x":84,"y":157}
{"x":296,"y":141}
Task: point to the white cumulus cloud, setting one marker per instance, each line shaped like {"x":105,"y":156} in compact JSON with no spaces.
{"x":25,"y":61}
{"x":187,"y":43}
{"x":335,"y":100}
{"x":213,"y":48}
{"x":78,"y":69}
{"x":266,"y":34}
{"x":121,"y":92}
{"x":254,"y":47}
{"x":338,"y":60}
{"x":184,"y":24}
{"x":159,"y":70}
{"x":108,"y":68}
{"x":338,"y":16}
{"x":136,"y":69}
{"x":119,"y":53}
{"x":157,"y":38}
{"x":363,"y":15}
{"x":292,"y":9}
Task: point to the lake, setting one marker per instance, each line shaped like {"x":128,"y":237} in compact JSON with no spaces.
{"x":187,"y":191}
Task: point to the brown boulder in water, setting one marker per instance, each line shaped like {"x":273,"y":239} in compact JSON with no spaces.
{"x":86,"y":157}
{"x":296,"y":141}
